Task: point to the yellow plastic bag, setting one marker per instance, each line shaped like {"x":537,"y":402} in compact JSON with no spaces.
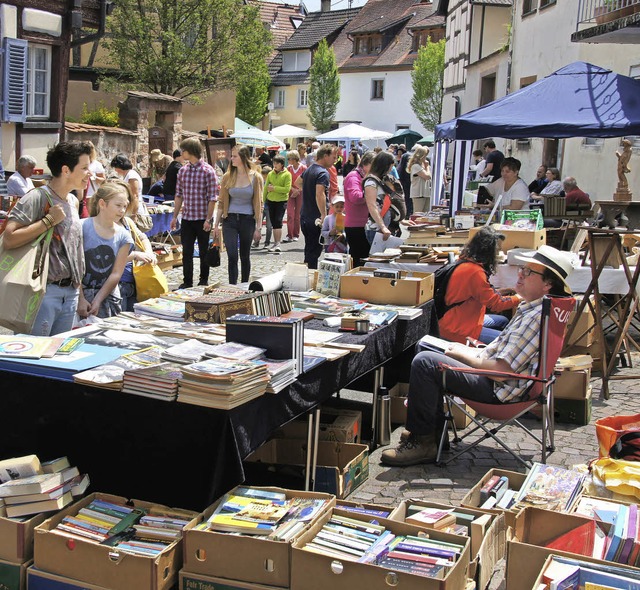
{"x":618,"y":476}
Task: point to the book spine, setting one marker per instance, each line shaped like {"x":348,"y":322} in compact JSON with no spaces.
{"x":487,"y":487}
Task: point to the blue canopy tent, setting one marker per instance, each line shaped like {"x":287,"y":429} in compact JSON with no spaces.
{"x":578,"y":100}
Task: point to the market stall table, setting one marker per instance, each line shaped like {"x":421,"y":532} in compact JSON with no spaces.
{"x":173,"y":453}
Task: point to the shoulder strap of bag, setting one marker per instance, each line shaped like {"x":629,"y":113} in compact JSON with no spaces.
{"x":386,"y":204}
{"x":134,"y":230}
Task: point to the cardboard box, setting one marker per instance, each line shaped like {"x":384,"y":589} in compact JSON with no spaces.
{"x":526,"y":551}
{"x":472,"y":499}
{"x":16,"y":538}
{"x":530,"y":239}
{"x":341,"y":467}
{"x":572,"y":384}
{"x":335,"y":425}
{"x":413,"y":288}
{"x":620,"y":568}
{"x":241,"y":557}
{"x":460,"y":419}
{"x":584,"y":333}
{"x":573,"y":411}
{"x":13,"y":576}
{"x":39,"y":580}
{"x":191,"y":581}
{"x":102,"y":565}
{"x":312,"y":571}
{"x":485,"y":552}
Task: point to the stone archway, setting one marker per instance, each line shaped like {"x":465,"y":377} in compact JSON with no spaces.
{"x":134,"y":115}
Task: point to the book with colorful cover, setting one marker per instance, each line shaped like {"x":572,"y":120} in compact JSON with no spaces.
{"x":550,"y":487}
{"x":28,"y":347}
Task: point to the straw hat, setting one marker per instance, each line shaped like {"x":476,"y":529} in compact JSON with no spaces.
{"x":559,"y":263}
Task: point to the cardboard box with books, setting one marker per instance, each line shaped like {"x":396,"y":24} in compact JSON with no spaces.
{"x":13,"y":576}
{"x":539,"y":533}
{"x":475,"y":497}
{"x":92,"y":541}
{"x":341,"y":467}
{"x":16,"y":538}
{"x":567,"y":572}
{"x":412,"y":288}
{"x":487,"y":532}
{"x":190,"y":581}
{"x":515,"y":238}
{"x":345,"y":552}
{"x":251,"y":557}
{"x":336,"y":424}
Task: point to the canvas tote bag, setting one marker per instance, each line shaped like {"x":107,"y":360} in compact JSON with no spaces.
{"x":23,"y":281}
{"x":149,"y":278}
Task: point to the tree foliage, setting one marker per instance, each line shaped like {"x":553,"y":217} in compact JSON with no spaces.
{"x":252,"y":94}
{"x":185,"y":48}
{"x":427,"y":80}
{"x":324,"y":87}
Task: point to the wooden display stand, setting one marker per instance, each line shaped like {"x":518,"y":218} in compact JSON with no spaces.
{"x":605,"y":245}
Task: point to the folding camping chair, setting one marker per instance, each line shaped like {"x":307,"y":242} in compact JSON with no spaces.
{"x":555,"y":315}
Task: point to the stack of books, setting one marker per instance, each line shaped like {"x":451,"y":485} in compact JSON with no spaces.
{"x":158,"y":382}
{"x":282,"y":338}
{"x":236,"y":351}
{"x":367,"y":542}
{"x":189,"y":351}
{"x":132,"y":530}
{"x":550,"y":487}
{"x":281,"y":374}
{"x":222,"y":383}
{"x":251,"y":511}
{"x":165,"y":309}
{"x":110,"y":375}
{"x":35,"y":347}
{"x":52,"y":489}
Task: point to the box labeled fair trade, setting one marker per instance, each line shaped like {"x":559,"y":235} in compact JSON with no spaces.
{"x":13,"y":576}
{"x":341,"y":467}
{"x":315,"y":571}
{"x":472,"y":499}
{"x":526,"y":549}
{"x":412,"y":288}
{"x":39,"y":580}
{"x":191,"y":581}
{"x":242,"y":557}
{"x":16,"y":538}
{"x":335,"y":424}
{"x":487,"y":536}
{"x":103,"y":565}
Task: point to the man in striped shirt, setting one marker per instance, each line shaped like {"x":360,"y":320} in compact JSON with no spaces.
{"x":196,"y":195}
{"x":515,"y":350}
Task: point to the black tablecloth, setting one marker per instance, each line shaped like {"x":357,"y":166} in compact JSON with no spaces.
{"x":173,"y":453}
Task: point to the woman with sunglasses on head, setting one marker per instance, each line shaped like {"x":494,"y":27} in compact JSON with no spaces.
{"x":469,"y":293}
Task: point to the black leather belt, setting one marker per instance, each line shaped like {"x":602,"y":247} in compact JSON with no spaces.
{"x":62,"y":282}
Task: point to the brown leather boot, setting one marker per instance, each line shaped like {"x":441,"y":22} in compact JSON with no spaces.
{"x":413,"y":451}
{"x":405,"y":434}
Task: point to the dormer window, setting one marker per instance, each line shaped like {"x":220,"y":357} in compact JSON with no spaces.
{"x":368,"y":44}
{"x":421,"y":36}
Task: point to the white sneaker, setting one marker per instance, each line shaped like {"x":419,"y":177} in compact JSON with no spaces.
{"x":270,"y":248}
{"x":295,"y":239}
{"x":277,"y":250}
{"x":287,"y":240}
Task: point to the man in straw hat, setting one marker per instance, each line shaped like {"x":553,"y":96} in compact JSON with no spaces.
{"x":515,"y":350}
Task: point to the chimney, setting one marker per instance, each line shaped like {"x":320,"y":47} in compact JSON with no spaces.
{"x":325,"y":5}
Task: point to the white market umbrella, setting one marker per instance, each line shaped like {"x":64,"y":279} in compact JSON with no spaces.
{"x":257,"y":138}
{"x":351,"y":132}
{"x":291,"y":131}
{"x":377,"y":135}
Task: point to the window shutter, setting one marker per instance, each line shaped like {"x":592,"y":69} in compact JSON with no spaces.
{"x":14,"y":83}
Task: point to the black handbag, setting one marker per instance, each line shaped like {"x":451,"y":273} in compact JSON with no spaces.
{"x":213,"y":255}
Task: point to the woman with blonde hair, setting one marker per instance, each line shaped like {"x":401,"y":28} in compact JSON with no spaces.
{"x":240,"y":210}
{"x":420,"y":171}
{"x":107,"y":246}
{"x":127,"y":283}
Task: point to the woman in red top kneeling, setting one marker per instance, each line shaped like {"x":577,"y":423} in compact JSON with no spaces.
{"x":471,"y":294}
